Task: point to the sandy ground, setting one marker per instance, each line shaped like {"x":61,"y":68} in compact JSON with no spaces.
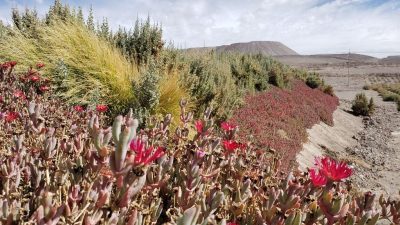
{"x":371,"y":145}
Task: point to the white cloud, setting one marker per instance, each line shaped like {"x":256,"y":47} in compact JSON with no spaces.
{"x":307,"y":26}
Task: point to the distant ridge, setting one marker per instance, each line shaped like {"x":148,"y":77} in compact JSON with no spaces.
{"x":270,"y":48}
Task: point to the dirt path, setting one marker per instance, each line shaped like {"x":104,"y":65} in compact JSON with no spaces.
{"x":372,"y":145}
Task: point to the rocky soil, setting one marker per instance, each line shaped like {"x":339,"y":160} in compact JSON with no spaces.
{"x":378,"y":148}
{"x":374,"y":148}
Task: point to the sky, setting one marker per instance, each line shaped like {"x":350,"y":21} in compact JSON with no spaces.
{"x":307,"y":26}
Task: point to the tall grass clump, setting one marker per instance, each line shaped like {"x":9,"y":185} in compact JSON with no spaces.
{"x":93,"y":64}
{"x":85,"y":66}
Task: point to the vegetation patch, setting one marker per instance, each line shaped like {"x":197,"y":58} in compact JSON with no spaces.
{"x":265,"y":116}
{"x":65,"y":165}
{"x":389,"y":92}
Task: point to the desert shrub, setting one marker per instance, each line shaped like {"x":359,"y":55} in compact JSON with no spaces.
{"x":389,"y":92}
{"x":314,"y":81}
{"x":64,"y":165}
{"x":329,"y":90}
{"x":266,"y":116}
{"x":390,"y":96}
{"x":142,"y":44}
{"x":361,"y":106}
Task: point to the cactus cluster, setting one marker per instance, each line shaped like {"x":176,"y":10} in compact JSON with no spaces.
{"x":64,"y":165}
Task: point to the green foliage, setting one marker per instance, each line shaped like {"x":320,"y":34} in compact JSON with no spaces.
{"x":142,"y":44}
{"x":361,"y":106}
{"x":148,"y":94}
{"x":94,"y":65}
{"x":314,"y":81}
{"x":389,"y":92}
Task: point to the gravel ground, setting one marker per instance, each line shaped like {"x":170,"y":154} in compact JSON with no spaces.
{"x":375,"y":151}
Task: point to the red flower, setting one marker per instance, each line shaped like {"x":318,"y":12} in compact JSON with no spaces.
{"x":332,"y":170}
{"x":11,"y":116}
{"x":317,"y":178}
{"x":19,"y":94}
{"x":144,"y":156}
{"x":101,"y":108}
{"x":231,"y":145}
{"x":227,"y":126}
{"x":78,"y":108}
{"x":199,"y":126}
{"x":232,"y":223}
{"x":44,"y":88}
{"x":39,"y":65}
{"x":34,"y":78}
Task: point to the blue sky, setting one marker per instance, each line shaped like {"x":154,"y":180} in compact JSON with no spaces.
{"x":307,"y":26}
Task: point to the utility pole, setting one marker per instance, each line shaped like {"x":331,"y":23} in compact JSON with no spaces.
{"x":348,"y":69}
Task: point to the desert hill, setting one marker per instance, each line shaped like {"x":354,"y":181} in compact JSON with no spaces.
{"x":271,"y":48}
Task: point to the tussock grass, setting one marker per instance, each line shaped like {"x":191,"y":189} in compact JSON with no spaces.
{"x":94,"y":68}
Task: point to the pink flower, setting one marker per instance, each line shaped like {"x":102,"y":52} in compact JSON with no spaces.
{"x":143,"y":155}
{"x":78,"y":108}
{"x":39,"y":65}
{"x":34,"y":78}
{"x":44,"y":88}
{"x":19,"y":94}
{"x":101,"y":108}
{"x":227,"y":126}
{"x":11,"y":116}
{"x":317,"y":178}
{"x":332,"y":170}
{"x":199,"y":126}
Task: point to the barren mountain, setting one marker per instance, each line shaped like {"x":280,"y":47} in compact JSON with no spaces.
{"x":264,"y":47}
{"x":271,"y":48}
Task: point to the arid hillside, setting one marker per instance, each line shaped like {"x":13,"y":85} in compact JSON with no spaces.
{"x":270,"y":48}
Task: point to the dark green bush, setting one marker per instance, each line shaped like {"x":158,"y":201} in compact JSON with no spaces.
{"x":313,"y":81}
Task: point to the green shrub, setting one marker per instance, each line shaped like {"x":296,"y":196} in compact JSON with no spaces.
{"x":313,"y":81}
{"x":361,"y":106}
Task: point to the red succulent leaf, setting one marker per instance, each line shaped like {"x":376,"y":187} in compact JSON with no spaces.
{"x":199,"y":126}
{"x":12,"y":63}
{"x":101,"y":108}
{"x":5,"y":65}
{"x":317,"y":178}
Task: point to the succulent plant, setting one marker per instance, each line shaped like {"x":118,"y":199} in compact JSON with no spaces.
{"x":62,"y":166}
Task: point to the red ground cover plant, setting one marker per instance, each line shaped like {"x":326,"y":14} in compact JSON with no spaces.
{"x":278,"y":119}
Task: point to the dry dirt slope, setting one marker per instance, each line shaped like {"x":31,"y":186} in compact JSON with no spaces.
{"x":371,"y":145}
